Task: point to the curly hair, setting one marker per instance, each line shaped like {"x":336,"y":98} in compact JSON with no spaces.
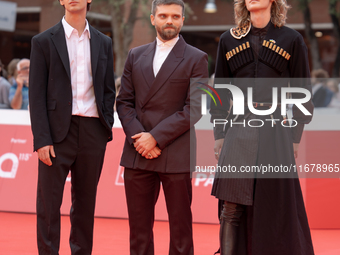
{"x":278,"y":13}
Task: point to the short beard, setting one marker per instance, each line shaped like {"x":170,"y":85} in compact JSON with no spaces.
{"x":167,"y":35}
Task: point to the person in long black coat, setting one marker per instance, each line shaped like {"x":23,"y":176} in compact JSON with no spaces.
{"x":262,"y":214}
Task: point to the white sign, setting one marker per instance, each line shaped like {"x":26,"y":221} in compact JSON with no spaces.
{"x":8,"y":16}
{"x":15,"y":164}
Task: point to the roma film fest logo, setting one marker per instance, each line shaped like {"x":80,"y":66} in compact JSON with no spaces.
{"x":15,"y":164}
{"x":239,"y":104}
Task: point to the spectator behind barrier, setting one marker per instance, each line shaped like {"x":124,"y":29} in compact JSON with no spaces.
{"x":4,"y":90}
{"x":12,"y":70}
{"x":322,"y":96}
{"x":118,"y":84}
{"x":18,"y":93}
{"x":333,"y":85}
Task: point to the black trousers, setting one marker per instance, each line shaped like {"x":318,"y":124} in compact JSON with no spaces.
{"x":82,"y":153}
{"x":142,"y":189}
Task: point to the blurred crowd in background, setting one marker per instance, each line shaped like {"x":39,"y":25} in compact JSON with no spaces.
{"x":14,"y":85}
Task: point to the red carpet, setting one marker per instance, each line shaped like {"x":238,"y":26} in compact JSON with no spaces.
{"x":17,"y":237}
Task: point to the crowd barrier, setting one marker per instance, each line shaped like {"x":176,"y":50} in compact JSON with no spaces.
{"x":19,"y":167}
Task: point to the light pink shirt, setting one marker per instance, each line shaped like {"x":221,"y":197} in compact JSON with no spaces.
{"x":79,"y":53}
{"x":162,"y":51}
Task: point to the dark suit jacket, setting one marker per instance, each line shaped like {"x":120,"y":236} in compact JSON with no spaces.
{"x":50,"y":92}
{"x":160,"y":105}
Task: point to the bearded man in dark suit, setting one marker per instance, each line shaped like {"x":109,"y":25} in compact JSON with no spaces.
{"x":154,"y":109}
{"x":71,"y":96}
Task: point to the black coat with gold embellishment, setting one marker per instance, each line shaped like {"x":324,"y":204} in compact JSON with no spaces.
{"x":283,"y":55}
{"x":275,"y":213}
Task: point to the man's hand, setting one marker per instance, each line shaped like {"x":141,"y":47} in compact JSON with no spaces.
{"x":296,"y":148}
{"x":217,"y":148}
{"x":144,"y":143}
{"x":16,"y":102}
{"x":44,"y":154}
{"x":154,"y":153}
{"x":21,"y":80}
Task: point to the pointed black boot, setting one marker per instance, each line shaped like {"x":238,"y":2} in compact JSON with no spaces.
{"x":230,"y":221}
{"x":228,"y":238}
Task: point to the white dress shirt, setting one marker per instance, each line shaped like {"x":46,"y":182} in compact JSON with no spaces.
{"x":162,"y":51}
{"x":79,"y":53}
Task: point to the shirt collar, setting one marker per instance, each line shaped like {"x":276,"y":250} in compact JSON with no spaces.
{"x":69,"y":29}
{"x":260,"y":31}
{"x":169,"y":43}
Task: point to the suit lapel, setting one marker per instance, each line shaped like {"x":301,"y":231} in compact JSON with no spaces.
{"x":95,"y":44}
{"x":170,"y":64}
{"x":58,"y":38}
{"x":147,"y":64}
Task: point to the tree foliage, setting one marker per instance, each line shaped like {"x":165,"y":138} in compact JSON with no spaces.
{"x":303,"y":5}
{"x":124,"y":14}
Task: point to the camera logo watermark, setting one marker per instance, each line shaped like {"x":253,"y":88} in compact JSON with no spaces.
{"x":238,"y":99}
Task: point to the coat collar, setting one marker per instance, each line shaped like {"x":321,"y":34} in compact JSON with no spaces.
{"x":170,"y":64}
{"x":271,"y":32}
{"x":95,"y":44}
{"x":270,"y":28}
{"x":69,"y":29}
{"x":58,"y":38}
{"x":59,"y":41}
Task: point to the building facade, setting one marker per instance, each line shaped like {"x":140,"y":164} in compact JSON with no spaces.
{"x":200,"y":29}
